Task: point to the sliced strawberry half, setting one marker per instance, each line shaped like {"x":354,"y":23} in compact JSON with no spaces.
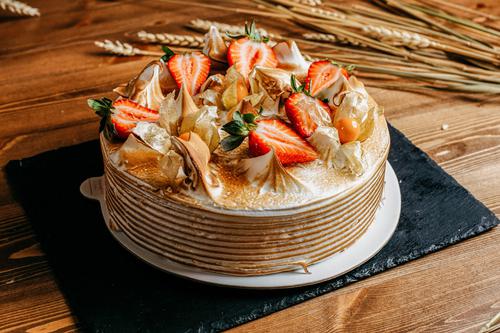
{"x":189,"y":69}
{"x":266,"y":134}
{"x":302,"y":110}
{"x":321,"y":75}
{"x":288,"y":145}
{"x":245,"y":54}
{"x":118,"y":119}
{"x":250,"y":50}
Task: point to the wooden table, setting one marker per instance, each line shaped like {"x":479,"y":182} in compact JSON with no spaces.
{"x":49,"y":67}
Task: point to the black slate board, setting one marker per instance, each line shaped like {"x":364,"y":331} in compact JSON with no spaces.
{"x":110,"y":290}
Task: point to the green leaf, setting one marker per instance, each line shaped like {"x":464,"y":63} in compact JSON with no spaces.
{"x":101,"y":107}
{"x":236,"y":127}
{"x":168,"y":53}
{"x":350,"y":68}
{"x":293,"y":83}
{"x":231,"y":142}
{"x":237,"y":116}
{"x":249,"y":118}
{"x":308,"y":90}
{"x":325,"y":100}
{"x":104,"y":109}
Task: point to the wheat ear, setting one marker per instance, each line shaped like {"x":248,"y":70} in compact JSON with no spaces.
{"x":204,"y":25}
{"x":171,"y":39}
{"x":398,"y":37}
{"x":309,"y":2}
{"x":316,"y":36}
{"x":124,"y":49}
{"x":19,"y":8}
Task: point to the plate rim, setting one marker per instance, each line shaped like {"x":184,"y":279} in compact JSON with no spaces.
{"x":92,"y":188}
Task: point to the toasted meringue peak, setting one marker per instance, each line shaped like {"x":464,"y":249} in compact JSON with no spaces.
{"x":349,"y":157}
{"x":326,"y":141}
{"x":134,"y":153}
{"x":189,"y":110}
{"x":172,"y":167}
{"x":290,"y":59}
{"x":346,"y":157}
{"x":178,"y":115}
{"x":274,"y":82}
{"x":267,"y":173}
{"x":149,"y":87}
{"x":196,"y":157}
{"x":153,"y":136}
{"x":215,"y":48}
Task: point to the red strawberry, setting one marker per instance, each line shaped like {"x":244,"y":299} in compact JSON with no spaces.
{"x":249,"y":51}
{"x":121,"y":117}
{"x":304,"y":111}
{"x":321,"y":74}
{"x":264,"y":135}
{"x":288,"y":146}
{"x":189,"y":69}
{"x":299,"y":109}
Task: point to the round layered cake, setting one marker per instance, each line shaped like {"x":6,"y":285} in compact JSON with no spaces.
{"x":248,"y":171}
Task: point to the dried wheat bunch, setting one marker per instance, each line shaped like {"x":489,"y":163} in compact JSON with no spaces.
{"x":171,"y":39}
{"x":19,"y":8}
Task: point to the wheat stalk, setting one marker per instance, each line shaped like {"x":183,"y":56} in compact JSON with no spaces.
{"x":308,"y":2}
{"x":171,"y":39}
{"x":124,"y":49}
{"x":19,"y":8}
{"x":330,"y":38}
{"x":398,"y":37}
{"x":204,"y":25}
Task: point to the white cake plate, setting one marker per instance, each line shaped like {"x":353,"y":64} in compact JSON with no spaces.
{"x":375,"y":237}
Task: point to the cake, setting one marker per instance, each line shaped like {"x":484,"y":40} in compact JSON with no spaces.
{"x":244,"y":159}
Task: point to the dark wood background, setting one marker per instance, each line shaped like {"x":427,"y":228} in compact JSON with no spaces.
{"x":49,"y":67}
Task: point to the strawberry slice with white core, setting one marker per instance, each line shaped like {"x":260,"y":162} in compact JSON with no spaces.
{"x":127,"y":114}
{"x":306,"y":113}
{"x":190,"y":70}
{"x":119,"y":118}
{"x":322,"y":74}
{"x":245,"y":54}
{"x":288,"y":146}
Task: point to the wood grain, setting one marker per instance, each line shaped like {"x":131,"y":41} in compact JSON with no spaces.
{"x":50,"y":67}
